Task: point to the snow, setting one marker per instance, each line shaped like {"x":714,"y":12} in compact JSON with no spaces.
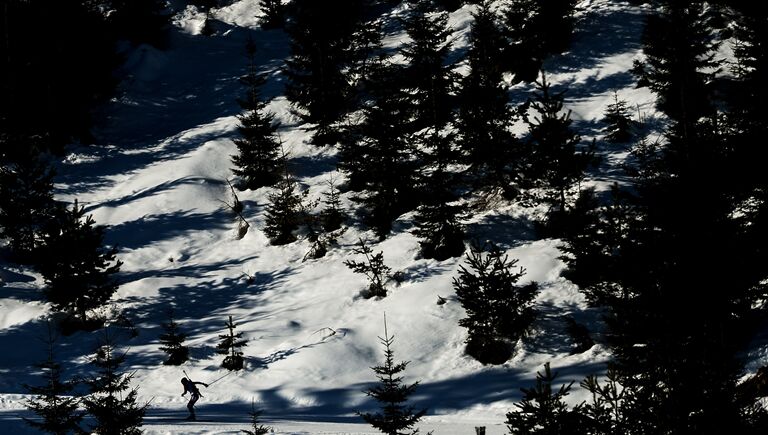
{"x":159,"y":180}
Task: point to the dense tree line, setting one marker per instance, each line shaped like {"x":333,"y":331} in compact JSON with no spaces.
{"x":45,"y":105}
{"x":650,"y":254}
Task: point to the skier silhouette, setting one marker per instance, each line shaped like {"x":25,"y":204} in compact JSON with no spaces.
{"x":191,"y":388}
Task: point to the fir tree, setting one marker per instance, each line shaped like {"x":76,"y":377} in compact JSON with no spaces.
{"x":535,"y":30}
{"x":78,"y":269}
{"x":619,"y":123}
{"x":554,"y":161}
{"x":26,"y":203}
{"x":376,"y":155}
{"x":543,"y":411}
{"x":499,"y":311}
{"x":427,"y":77}
{"x":230,"y":345}
{"x":396,"y":417}
{"x":332,"y":216}
{"x":112,"y":402}
{"x":429,"y":85}
{"x":173,"y":342}
{"x":283,"y":215}
{"x":373,"y":268}
{"x":366,"y":56}
{"x":557,"y":21}
{"x":320,"y":39}
{"x":58,"y":412}
{"x":679,"y":54}
{"x":273,"y":14}
{"x":258,"y":161}
{"x":437,"y":224}
{"x":381,"y":161}
{"x":484,"y":119}
{"x":257,"y":428}
{"x":525,"y":50}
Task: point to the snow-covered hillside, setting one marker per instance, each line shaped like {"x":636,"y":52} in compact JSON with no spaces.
{"x":158,"y":180}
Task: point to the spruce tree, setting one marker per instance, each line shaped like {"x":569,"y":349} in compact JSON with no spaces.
{"x":554,"y":162}
{"x":273,"y":14}
{"x":679,"y":369}
{"x":230,"y":345}
{"x":380,"y":161}
{"x":536,"y":29}
{"x":57,"y":411}
{"x":396,"y":417}
{"x":78,"y":269}
{"x":332,"y":215}
{"x":679,"y":49}
{"x":321,"y":35}
{"x":525,"y":50}
{"x":172,"y":341}
{"x":366,"y":56}
{"x":484,"y":117}
{"x":427,"y":78}
{"x":26,"y":203}
{"x":619,"y":122}
{"x":437,"y":221}
{"x":283,"y":214}
{"x":543,"y":411}
{"x":499,"y":311}
{"x":557,"y":21}
{"x":112,"y":402}
{"x":258,"y":159}
{"x":429,"y":85}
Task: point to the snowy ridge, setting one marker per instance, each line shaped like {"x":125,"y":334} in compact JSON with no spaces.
{"x":161,"y":194}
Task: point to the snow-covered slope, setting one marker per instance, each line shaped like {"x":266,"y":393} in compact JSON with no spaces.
{"x":159,"y":182}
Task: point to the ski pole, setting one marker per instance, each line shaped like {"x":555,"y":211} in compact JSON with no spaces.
{"x":218,"y":379}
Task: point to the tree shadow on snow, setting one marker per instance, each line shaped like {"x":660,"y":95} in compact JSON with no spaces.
{"x":155,"y":228}
{"x":504,"y":230}
{"x":167,"y":95}
{"x":601,"y":33}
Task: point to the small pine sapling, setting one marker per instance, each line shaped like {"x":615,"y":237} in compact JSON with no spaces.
{"x":499,"y":311}
{"x":114,"y":411}
{"x":317,"y":233}
{"x":283,"y":214}
{"x":542,"y":410}
{"x":173,"y":342}
{"x":373,"y":268}
{"x":57,"y":411}
{"x":229,"y":345}
{"x":396,"y":417}
{"x":256,"y":427}
{"x":314,"y":234}
{"x":332,"y":215}
{"x":618,"y":120}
